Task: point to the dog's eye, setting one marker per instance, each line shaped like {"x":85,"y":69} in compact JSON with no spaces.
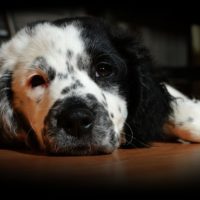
{"x":37,"y":80}
{"x":103,"y":70}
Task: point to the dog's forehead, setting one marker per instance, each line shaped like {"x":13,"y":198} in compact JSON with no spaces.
{"x":56,"y":43}
{"x":65,"y":44}
{"x":51,"y":37}
{"x":77,"y":40}
{"x":72,"y":38}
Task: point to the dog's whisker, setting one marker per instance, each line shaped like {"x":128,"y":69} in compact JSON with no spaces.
{"x":131,"y":131}
{"x":130,"y":142}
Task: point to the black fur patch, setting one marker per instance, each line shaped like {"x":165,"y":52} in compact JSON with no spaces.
{"x":66,"y":90}
{"x":70,"y":68}
{"x":74,"y":86}
{"x":104,"y":97}
{"x":69,"y":54}
{"x":41,"y":63}
{"x":62,"y":76}
{"x":82,"y":63}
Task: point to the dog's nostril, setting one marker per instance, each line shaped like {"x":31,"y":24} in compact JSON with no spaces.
{"x":67,"y":125}
{"x":76,"y":122}
{"x":86,"y":122}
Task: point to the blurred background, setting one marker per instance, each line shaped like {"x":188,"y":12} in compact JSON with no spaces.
{"x":172,"y":33}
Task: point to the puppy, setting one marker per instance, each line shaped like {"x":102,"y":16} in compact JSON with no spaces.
{"x":76,"y":86}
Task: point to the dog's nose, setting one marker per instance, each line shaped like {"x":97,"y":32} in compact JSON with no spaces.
{"x":77,"y":121}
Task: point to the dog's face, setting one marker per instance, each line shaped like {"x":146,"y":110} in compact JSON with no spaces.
{"x":65,"y":84}
{"x":76,"y":86}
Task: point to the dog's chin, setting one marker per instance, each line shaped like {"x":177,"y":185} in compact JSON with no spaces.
{"x":59,"y":142}
{"x":78,"y":150}
{"x":79,"y":147}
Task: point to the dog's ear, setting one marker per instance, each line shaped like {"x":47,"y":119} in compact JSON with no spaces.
{"x":15,"y":130}
{"x":7,"y":121}
{"x":8,"y":124}
{"x":148,"y":100}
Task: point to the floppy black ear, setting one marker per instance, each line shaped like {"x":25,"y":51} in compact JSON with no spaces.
{"x":148,"y":100}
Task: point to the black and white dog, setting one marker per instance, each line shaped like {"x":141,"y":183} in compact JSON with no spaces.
{"x":77,"y":86}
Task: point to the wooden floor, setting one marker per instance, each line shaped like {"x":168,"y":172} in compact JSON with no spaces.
{"x":164,"y":166}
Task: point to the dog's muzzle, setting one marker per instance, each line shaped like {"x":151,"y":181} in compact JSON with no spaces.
{"x":79,"y":126}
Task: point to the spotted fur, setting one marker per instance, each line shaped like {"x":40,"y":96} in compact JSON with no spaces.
{"x":76,"y":86}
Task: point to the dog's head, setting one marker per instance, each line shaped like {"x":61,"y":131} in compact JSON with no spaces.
{"x":69,"y":84}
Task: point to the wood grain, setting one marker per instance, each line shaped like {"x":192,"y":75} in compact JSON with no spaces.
{"x":163,"y":166}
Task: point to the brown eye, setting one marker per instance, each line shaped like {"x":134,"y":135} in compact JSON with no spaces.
{"x":103,"y":70}
{"x":37,"y":80}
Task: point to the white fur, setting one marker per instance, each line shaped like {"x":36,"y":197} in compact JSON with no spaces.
{"x":186,"y":116}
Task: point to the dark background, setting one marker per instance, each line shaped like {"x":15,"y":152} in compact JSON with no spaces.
{"x":171,"y":31}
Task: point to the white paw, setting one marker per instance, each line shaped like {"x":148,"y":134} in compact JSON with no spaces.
{"x":186,"y":116}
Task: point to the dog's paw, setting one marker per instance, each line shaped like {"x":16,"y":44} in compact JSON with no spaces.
{"x":185,"y":120}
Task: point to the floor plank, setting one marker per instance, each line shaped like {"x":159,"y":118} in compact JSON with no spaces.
{"x":163,"y":166}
